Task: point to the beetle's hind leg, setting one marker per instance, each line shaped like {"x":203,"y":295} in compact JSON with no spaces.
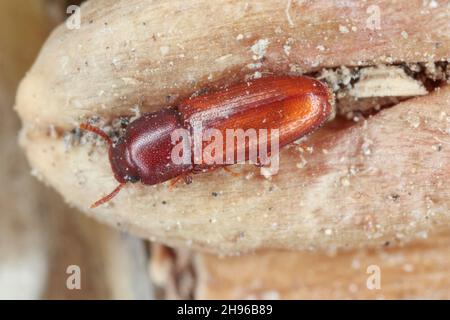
{"x":187,"y":179}
{"x":263,"y":162}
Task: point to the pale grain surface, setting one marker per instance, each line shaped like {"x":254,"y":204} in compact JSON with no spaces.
{"x":150,"y":53}
{"x":383,"y":180}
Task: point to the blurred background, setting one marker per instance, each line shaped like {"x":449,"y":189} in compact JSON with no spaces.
{"x":40,"y":236}
{"x":42,"y":240}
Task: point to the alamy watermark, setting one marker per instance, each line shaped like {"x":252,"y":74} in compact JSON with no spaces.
{"x":74,"y":20}
{"x":373,"y":281}
{"x":73,"y":281}
{"x":226,"y":147}
{"x":373,"y":22}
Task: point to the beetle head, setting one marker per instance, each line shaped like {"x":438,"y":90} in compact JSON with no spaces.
{"x":121,"y":164}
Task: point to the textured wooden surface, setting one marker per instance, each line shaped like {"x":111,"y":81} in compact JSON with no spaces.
{"x":416,"y":271}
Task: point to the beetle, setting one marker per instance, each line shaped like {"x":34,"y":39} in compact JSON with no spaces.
{"x":295,"y":106}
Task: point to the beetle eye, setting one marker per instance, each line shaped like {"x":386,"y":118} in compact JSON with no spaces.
{"x":132,"y":179}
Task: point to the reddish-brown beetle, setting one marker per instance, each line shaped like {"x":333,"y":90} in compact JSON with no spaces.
{"x":295,"y":106}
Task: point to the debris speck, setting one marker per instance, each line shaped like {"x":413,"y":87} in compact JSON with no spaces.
{"x":343,"y":29}
{"x":394,"y":197}
{"x":256,"y":65}
{"x":437,"y":147}
{"x":136,"y":112}
{"x":224,"y":57}
{"x":249,"y":175}
{"x":303,"y":162}
{"x":35,"y":173}
{"x":433,"y":4}
{"x":267,"y":172}
{"x":259,"y":48}
{"x":164,"y":50}
{"x":345,"y":182}
{"x":356,"y":264}
{"x":287,"y":46}
{"x":270,"y":295}
{"x":408,"y":267}
{"x":366,"y":147}
{"x":353,"y":288}
{"x":413,"y":120}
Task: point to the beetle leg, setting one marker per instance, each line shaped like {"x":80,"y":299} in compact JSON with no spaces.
{"x":203,"y":169}
{"x":173,"y":182}
{"x":258,"y":165}
{"x":187,"y":179}
{"x":263,"y":162}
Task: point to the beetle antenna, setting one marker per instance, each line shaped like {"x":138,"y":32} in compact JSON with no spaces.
{"x":97,"y":131}
{"x":102,"y":134}
{"x":108,"y":197}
